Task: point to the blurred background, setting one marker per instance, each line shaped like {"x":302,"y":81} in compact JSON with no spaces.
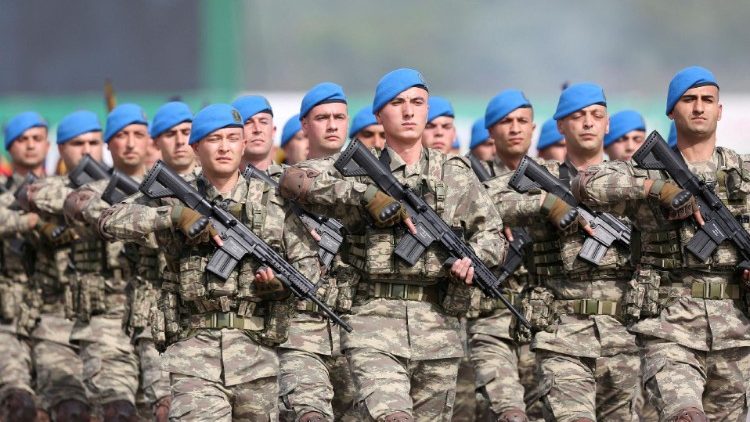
{"x":56,"y":56}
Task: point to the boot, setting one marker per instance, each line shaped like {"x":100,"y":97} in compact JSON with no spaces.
{"x":120,"y":411}
{"x":312,"y":417}
{"x":691,"y":414}
{"x":19,"y":406}
{"x":71,"y":411}
{"x":161,"y":409}
{"x":399,"y":417}
{"x":513,"y":415}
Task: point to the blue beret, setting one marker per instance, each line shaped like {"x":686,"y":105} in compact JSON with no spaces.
{"x":77,"y":123}
{"x":394,"y":83}
{"x":503,"y":104}
{"x":291,"y":127}
{"x":326,"y":92}
{"x":213,"y":118}
{"x":250,"y":105}
{"x":439,"y":107}
{"x":170,"y":115}
{"x":549,"y":135}
{"x":479,"y":133}
{"x":122,"y":116}
{"x":20,"y":123}
{"x":362,"y":119}
{"x":456,"y":144}
{"x":687,"y":78}
{"x":672,"y":138}
{"x":621,"y":123}
{"x":578,"y":96}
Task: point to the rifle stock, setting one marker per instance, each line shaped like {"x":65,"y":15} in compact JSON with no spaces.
{"x":120,"y":187}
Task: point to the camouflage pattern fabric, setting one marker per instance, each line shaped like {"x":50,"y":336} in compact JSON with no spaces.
{"x":15,"y":366}
{"x":229,"y":369}
{"x":154,"y":383}
{"x":704,"y":327}
{"x":417,"y":346}
{"x":197,"y":399}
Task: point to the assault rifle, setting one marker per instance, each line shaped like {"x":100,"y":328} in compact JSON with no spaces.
{"x":120,"y":187}
{"x":88,"y":170}
{"x":514,"y":258}
{"x":357,"y":160}
{"x":476,"y":164}
{"x":720,"y":224}
{"x":329,"y":229}
{"x":239,"y":241}
{"x":607,"y":228}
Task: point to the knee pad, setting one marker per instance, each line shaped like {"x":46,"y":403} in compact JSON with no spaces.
{"x":71,"y":411}
{"x":19,"y":406}
{"x":691,"y":414}
{"x":513,"y":415}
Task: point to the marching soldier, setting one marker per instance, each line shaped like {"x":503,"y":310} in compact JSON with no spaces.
{"x":257,"y":116}
{"x":627,"y":131}
{"x":294,"y":141}
{"x":551,"y":143}
{"x":406,"y":344}
{"x":693,"y":330}
{"x":366,"y":128}
{"x":482,"y":145}
{"x":440,"y":131}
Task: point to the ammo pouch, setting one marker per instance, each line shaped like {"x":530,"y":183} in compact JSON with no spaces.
{"x":165,"y":320}
{"x":29,"y":311}
{"x":537,"y":306}
{"x":346,"y":282}
{"x":8,"y":301}
{"x":277,"y":318}
{"x":85,"y":297}
{"x":141,"y":298}
{"x":641,"y":300}
{"x":458,"y":297}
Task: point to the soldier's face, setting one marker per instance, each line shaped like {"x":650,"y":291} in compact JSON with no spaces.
{"x":624,"y":148}
{"x":372,"y":136}
{"x":129,"y":146}
{"x":326,"y":126}
{"x":221,"y":151}
{"x":584,"y":130}
{"x":174,"y":147}
{"x":405,"y":116}
{"x":512,"y":133}
{"x":439,"y":133}
{"x":259,"y":132}
{"x":30,"y":149}
{"x":554,"y":152}
{"x":485,"y":151}
{"x":698,"y":111}
{"x":86,"y":143}
{"x":296,"y":149}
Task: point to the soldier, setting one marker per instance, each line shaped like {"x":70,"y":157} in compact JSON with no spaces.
{"x":220,"y":333}
{"x":104,"y":269}
{"x":257,"y":116}
{"x":366,"y":128}
{"x":315,"y":381}
{"x":294,"y":141}
{"x":586,"y":357}
{"x":406,"y":344}
{"x":57,"y":364}
{"x":26,"y":142}
{"x":482,"y":145}
{"x":326,"y":128}
{"x":693,"y":330}
{"x":627,"y":131}
{"x":498,"y":362}
{"x":440,"y":131}
{"x":551,"y":143}
{"x":170,"y":130}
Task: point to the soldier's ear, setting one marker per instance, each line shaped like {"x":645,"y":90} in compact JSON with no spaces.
{"x":378,"y":119}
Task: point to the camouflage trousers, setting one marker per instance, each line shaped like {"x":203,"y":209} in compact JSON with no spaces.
{"x":676,"y":377}
{"x":603,"y":388}
{"x":198,"y":399}
{"x":57,"y":365}
{"x":386,"y":384}
{"x":110,"y":365}
{"x":154,"y":383}
{"x":466,"y":407}
{"x":496,"y":366}
{"x":311,"y":382}
{"x":15,"y":364}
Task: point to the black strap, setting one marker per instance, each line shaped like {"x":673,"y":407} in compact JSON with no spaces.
{"x":565,"y":174}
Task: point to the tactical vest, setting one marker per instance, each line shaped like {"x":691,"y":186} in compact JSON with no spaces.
{"x":205,"y":299}
{"x":662,"y":244}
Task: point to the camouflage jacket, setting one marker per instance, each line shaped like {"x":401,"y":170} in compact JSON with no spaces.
{"x":697,"y":323}
{"x":410,"y":329}
{"x":556,"y":266}
{"x":217,"y":355}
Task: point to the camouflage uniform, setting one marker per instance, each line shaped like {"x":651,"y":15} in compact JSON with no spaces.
{"x":220,"y":333}
{"x":314,"y":374}
{"x":110,"y":366}
{"x":57,"y":365}
{"x":410,"y":365}
{"x":694,"y":332}
{"x":15,"y":367}
{"x":587,"y":358}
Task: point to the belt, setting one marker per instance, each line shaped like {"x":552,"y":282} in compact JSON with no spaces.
{"x":307,"y":306}
{"x":702,"y":290}
{"x":589,"y":307}
{"x":218,"y":320}
{"x":513,"y":298}
{"x":406,"y":292}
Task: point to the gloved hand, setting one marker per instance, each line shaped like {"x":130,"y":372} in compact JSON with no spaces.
{"x":386,"y":210}
{"x":563,"y":216}
{"x":678,"y":203}
{"x":193,"y":224}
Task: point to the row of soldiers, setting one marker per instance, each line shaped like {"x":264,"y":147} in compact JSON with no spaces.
{"x":102,"y":302}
